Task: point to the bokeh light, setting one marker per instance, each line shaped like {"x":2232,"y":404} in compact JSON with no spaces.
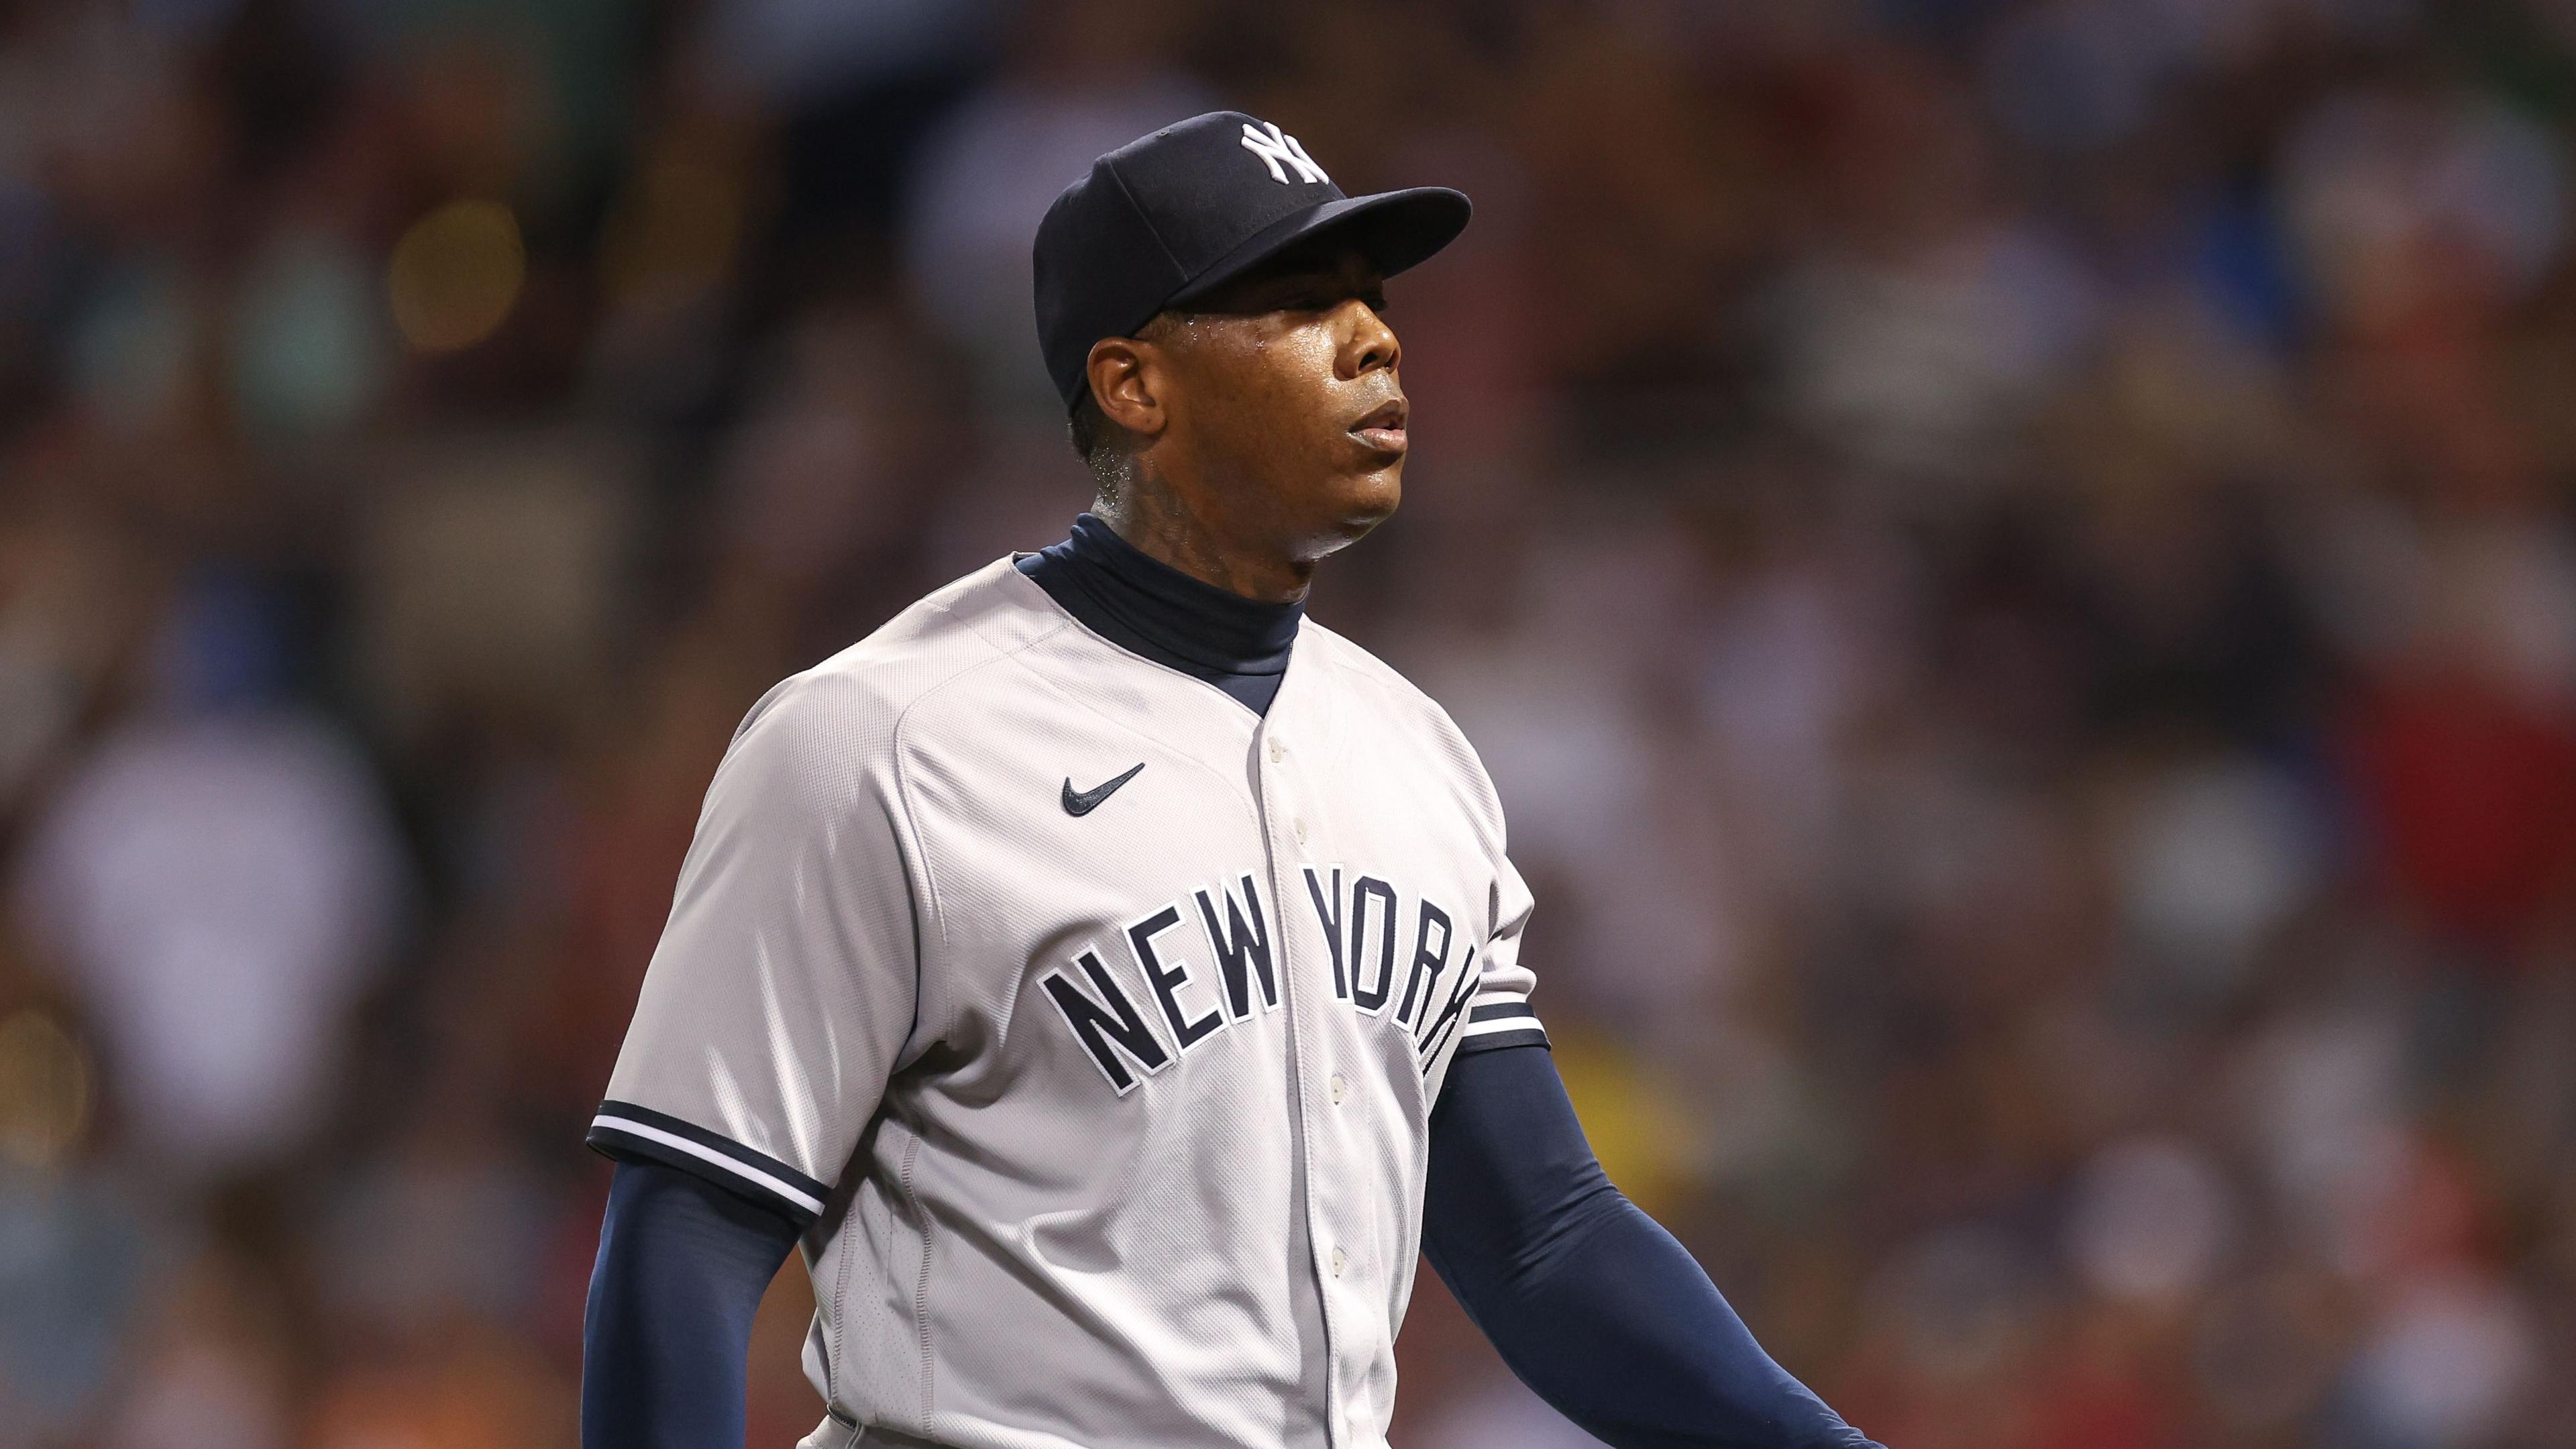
{"x":46,"y":1089}
{"x":456,"y":274}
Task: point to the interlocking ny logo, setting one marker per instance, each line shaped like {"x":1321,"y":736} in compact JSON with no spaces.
{"x":1275,"y":147}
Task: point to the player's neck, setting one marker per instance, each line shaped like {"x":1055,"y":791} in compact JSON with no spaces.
{"x":1163,"y":525}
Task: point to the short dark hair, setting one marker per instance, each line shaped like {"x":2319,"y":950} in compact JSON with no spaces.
{"x":1089,"y":427}
{"x":1103,"y":445}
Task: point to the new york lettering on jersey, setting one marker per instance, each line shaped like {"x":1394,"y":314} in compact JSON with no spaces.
{"x":1101,"y":1014}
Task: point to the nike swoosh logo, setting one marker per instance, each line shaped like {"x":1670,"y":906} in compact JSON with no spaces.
{"x":1083,"y":802}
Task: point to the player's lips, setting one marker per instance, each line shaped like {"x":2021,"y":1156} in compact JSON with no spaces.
{"x":1384,"y":428}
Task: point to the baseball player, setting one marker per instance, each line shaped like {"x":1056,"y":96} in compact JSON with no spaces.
{"x":1110,"y":978}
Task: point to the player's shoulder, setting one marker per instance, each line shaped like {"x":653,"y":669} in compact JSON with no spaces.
{"x":857,"y":699}
{"x":1387,"y":689}
{"x":1373,"y":678}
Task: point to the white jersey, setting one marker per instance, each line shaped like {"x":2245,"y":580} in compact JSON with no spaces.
{"x":1089,"y":1022}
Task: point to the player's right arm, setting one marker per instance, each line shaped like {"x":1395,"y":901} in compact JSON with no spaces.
{"x":780,"y":998}
{"x":682,"y":1267}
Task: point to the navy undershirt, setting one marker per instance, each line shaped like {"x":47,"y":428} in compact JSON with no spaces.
{"x":1599,"y":1310}
{"x":1145,"y":606}
{"x":666,"y":1337}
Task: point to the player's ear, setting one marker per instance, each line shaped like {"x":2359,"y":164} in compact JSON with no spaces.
{"x":1123,"y":381}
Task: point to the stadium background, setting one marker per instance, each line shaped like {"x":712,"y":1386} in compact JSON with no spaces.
{"x":2011,"y":561}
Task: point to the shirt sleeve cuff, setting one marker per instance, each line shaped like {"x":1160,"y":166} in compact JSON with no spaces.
{"x":1500,"y":1021}
{"x":625,"y":1131}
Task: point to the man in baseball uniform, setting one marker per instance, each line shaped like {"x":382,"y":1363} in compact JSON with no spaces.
{"x":1109,"y":977}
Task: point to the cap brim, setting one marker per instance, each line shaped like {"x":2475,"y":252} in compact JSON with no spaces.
{"x":1398,"y":229}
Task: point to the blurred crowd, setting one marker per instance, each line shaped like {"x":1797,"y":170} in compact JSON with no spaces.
{"x":2011,"y":560}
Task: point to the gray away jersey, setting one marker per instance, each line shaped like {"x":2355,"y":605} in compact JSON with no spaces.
{"x":1089,"y":1023}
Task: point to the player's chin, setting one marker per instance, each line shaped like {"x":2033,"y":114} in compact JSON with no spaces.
{"x":1370,"y":493}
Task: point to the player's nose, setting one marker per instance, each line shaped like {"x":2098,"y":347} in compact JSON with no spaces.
{"x":1367,"y":343}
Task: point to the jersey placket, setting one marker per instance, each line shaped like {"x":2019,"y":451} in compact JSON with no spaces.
{"x":1285,"y":832}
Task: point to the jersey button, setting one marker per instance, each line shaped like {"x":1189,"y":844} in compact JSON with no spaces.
{"x":1341,"y":1088}
{"x":1339,"y":1259}
{"x":1278,"y":752}
{"x":1300,"y":827}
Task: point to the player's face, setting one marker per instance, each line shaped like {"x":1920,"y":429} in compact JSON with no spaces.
{"x":1283,"y":400}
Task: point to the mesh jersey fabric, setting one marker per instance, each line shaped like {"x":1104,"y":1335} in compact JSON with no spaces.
{"x":1105,"y":1127}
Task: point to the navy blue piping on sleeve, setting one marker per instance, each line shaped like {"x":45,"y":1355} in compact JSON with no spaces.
{"x":666,"y":1336}
{"x":1496,"y":1025}
{"x":630,"y":1133}
{"x":1589,"y":1301}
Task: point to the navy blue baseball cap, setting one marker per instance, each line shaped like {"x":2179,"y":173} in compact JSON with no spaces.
{"x":1170,"y":217}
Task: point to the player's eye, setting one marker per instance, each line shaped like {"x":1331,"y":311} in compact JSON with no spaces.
{"x":1326,"y":299}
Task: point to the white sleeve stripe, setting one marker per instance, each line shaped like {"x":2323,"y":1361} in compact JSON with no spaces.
{"x":1498,"y":998}
{"x":1507,"y":1023}
{"x":678,"y":1143}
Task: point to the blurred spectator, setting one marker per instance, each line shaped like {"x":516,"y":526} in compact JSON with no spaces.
{"x":220,"y":882}
{"x":1090,"y":77}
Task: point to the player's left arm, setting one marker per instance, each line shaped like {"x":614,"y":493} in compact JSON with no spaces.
{"x":1589,"y":1300}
